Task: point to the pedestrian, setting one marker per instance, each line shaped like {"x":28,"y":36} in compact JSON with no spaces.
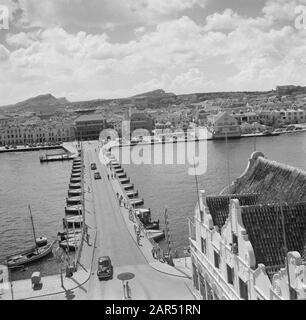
{"x":128,"y":290}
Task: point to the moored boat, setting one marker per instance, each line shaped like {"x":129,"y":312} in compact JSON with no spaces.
{"x":136,"y":202}
{"x":121,"y":175}
{"x":129,"y":186}
{"x":77,"y":209}
{"x":73,"y":201}
{"x":74,"y":185}
{"x":74,"y":192}
{"x":75,"y":179}
{"x":124,"y":180}
{"x":73,"y":222}
{"x":40,"y":250}
{"x":132,"y":194}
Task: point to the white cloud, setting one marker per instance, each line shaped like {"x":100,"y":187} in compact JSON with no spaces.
{"x":229,"y":52}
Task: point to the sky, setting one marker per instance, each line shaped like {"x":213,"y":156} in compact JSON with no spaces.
{"x":95,"y":49}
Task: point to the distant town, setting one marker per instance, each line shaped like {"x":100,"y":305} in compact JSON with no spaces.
{"x":48,"y":120}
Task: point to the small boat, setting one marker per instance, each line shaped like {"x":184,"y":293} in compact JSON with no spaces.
{"x":71,"y":244}
{"x":119,"y":170}
{"x":124,"y":180}
{"x":121,"y":175}
{"x":77,"y":161}
{"x":74,"y":210}
{"x":144,"y":216}
{"x":40,"y":250}
{"x":75,"y":186}
{"x":77,"y":168}
{"x":73,"y":201}
{"x":132,"y":194}
{"x":129,"y":186}
{"x":136,"y":202}
{"x":70,"y":234}
{"x":156,"y":235}
{"x":74,"y":192}
{"x":76,"y":171}
{"x":75,"y":180}
{"x":76,"y":175}
{"x":73,"y":222}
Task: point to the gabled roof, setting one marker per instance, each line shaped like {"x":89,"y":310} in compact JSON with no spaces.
{"x":264,"y":188}
{"x":272,"y":181}
{"x":219,"y":206}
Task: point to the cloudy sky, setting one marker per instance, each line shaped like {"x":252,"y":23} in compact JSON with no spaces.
{"x":87,"y":49}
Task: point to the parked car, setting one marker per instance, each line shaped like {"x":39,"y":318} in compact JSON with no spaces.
{"x":105,"y":268}
{"x":93,"y":166}
{"x":97,"y":176}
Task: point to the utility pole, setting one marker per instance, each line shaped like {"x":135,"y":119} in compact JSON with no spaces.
{"x":168,"y":238}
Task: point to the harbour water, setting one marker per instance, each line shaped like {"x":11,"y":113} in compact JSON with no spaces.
{"x":170,"y":186}
{"x":25,"y":181}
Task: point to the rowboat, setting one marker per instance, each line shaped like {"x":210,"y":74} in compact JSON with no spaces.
{"x":75,"y":179}
{"x":121,"y":175}
{"x":73,"y":222}
{"x":74,"y":185}
{"x":74,"y":192}
{"x":136,"y":202}
{"x":132,"y":194}
{"x":73,"y":200}
{"x":74,"y":209}
{"x":124,"y":180}
{"x":76,"y":175}
{"x":129,"y":186}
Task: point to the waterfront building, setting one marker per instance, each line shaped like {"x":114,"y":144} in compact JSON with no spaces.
{"x":292,"y":116}
{"x":22,"y":134}
{"x":249,"y":117}
{"x":224,"y":125}
{"x":89,"y":127}
{"x":249,"y":242}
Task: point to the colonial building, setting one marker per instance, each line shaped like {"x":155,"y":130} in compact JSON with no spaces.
{"x":20,"y":134}
{"x":89,"y":127}
{"x":250,"y":242}
{"x":224,"y":125}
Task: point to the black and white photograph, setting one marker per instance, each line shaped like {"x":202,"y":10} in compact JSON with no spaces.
{"x":153,"y":150}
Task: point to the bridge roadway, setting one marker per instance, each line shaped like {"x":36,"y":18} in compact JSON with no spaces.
{"x":114,"y":240}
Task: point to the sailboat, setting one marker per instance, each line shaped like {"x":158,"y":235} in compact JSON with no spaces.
{"x":40,"y":250}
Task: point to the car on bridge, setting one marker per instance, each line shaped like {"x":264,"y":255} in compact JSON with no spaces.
{"x":105,"y":268}
{"x":97,"y":176}
{"x":93,"y":166}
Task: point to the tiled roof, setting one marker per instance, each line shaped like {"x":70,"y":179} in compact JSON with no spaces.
{"x":264,"y":227}
{"x":218,"y":206}
{"x":273,"y":182}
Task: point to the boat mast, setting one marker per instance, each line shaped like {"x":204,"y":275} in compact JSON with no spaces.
{"x":34,"y":234}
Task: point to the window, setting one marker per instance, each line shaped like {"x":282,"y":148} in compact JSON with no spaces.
{"x":230,"y":274}
{"x":217,"y":259}
{"x":243,"y":288}
{"x":203,"y":245}
{"x":235,"y":244}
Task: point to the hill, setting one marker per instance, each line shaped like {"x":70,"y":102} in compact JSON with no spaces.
{"x":42,"y":104}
